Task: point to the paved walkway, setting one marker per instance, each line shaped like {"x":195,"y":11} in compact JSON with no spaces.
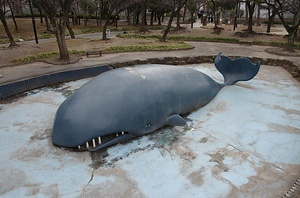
{"x":13,"y":73}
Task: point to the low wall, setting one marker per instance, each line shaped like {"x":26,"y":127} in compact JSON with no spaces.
{"x":14,"y":88}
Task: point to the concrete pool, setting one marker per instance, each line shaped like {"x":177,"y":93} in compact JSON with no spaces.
{"x":244,"y":143}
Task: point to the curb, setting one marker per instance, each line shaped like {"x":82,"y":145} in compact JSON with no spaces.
{"x":20,"y":86}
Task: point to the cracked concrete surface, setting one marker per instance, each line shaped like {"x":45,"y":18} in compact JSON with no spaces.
{"x":245,"y":143}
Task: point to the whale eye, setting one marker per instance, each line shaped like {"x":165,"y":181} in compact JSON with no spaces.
{"x":148,"y":125}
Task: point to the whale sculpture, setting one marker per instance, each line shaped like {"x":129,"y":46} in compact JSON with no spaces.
{"x":129,"y":102}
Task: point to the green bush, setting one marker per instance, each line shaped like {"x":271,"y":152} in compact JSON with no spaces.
{"x":46,"y":36}
{"x":4,"y":41}
{"x":206,"y":39}
{"x":137,"y":48}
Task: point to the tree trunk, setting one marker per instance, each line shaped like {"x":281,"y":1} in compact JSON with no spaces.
{"x":13,"y":15}
{"x":59,"y":30}
{"x":9,"y":35}
{"x":152,"y":18}
{"x":116,"y":22}
{"x":33,"y":23}
{"x":41,"y":15}
{"x":128,"y":18}
{"x":137,"y":20}
{"x":250,"y":18}
{"x":215,"y":20}
{"x":159,"y":19}
{"x":72,"y":34}
{"x":292,"y":36}
{"x":107,"y":22}
{"x":236,"y":15}
{"x":97,"y":20}
{"x":184,"y":13}
{"x":192,"y":20}
{"x":144,"y":17}
{"x":270,"y":19}
{"x":166,"y":32}
{"x":78,"y":11}
{"x":247,"y":11}
{"x":47,"y":24}
{"x":145,"y":13}
{"x":178,"y":19}
{"x":101,"y":11}
{"x":258,"y":15}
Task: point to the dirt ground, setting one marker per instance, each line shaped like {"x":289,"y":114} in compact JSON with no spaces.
{"x":7,"y":55}
{"x":25,"y":32}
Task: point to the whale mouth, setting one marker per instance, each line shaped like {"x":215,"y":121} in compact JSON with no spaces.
{"x":101,"y":140}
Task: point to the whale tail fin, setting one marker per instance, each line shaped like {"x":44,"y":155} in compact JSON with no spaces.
{"x":239,"y":69}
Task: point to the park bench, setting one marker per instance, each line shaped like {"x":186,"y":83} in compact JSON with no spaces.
{"x":93,"y":52}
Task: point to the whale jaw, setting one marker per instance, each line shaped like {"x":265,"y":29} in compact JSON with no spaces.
{"x":101,"y":142}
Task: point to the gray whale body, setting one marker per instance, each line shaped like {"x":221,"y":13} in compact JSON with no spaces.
{"x":128,"y":102}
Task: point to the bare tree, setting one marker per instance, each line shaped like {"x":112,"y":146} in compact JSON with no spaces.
{"x":11,"y":4}
{"x":258,"y":23}
{"x":271,"y":17}
{"x":250,"y":4}
{"x":282,"y":8}
{"x":216,"y":7}
{"x":236,"y":14}
{"x":175,"y":6}
{"x":89,"y":7}
{"x":144,"y":15}
{"x":4,"y":23}
{"x":113,"y":7}
{"x":33,"y":22}
{"x":57,"y":12}
{"x":158,"y":8}
{"x":191,"y":5}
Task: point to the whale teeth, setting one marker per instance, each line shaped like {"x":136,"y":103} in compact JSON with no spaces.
{"x":97,"y":141}
{"x":94,"y":143}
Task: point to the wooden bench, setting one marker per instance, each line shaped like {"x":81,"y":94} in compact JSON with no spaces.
{"x":94,"y":52}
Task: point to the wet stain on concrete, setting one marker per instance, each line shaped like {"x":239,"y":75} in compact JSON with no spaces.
{"x":285,"y":110}
{"x":65,"y":91}
{"x":204,"y":140}
{"x":164,"y":139}
{"x":28,"y":154}
{"x":32,"y":189}
{"x":121,"y":185}
{"x":51,"y":191}
{"x":98,"y":159}
{"x":11,"y":179}
{"x":280,"y":128}
{"x":245,"y":86}
{"x":18,"y":124}
{"x":267,"y":179}
{"x":219,"y":107}
{"x":41,"y":136}
{"x":218,"y":158}
{"x":196,"y":178}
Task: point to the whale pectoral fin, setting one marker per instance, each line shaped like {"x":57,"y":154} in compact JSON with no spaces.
{"x":175,"y":120}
